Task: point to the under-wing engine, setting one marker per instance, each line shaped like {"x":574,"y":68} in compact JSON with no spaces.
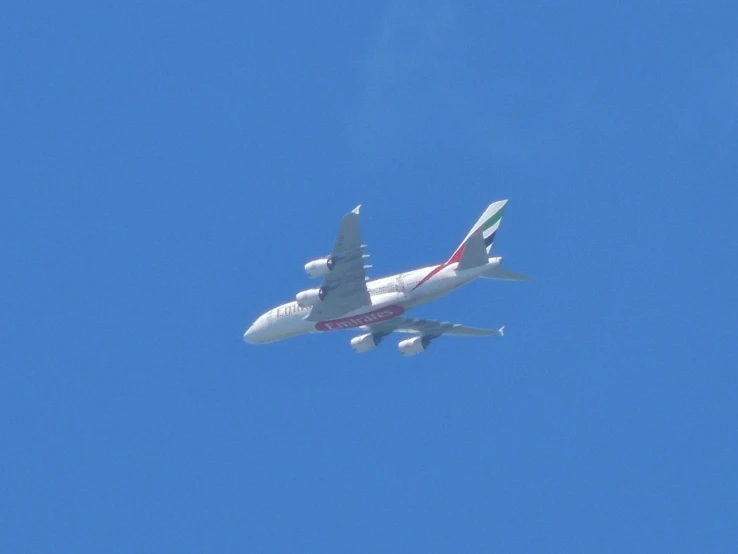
{"x":319,"y":268}
{"x":310,"y":297}
{"x":364,"y":343}
{"x":415,"y":345}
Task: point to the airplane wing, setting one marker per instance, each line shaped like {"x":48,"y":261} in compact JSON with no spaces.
{"x":429,"y":328}
{"x":345,"y":285}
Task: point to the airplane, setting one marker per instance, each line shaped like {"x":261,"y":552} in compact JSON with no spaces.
{"x":348,"y":299}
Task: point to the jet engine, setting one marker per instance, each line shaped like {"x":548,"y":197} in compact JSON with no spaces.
{"x":319,"y":268}
{"x":310,"y":297}
{"x":415,"y":345}
{"x":364,"y":343}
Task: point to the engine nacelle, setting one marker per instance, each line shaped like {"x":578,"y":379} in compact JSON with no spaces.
{"x":364,"y":343}
{"x":415,"y":345}
{"x":319,"y":268}
{"x":310,"y":297}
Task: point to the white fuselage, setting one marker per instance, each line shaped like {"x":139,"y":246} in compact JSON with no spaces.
{"x":390,"y":297}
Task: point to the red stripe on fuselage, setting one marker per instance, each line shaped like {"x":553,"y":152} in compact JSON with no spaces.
{"x":457,"y":255}
{"x":431,"y":273}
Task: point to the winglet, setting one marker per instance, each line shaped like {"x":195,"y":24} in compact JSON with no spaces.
{"x":356,"y":210}
{"x":501,"y":331}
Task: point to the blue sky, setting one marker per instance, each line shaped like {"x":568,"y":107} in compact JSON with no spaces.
{"x":169,"y":167}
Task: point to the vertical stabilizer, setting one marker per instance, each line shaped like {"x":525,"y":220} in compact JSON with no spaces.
{"x":473,"y":252}
{"x":487,"y":225}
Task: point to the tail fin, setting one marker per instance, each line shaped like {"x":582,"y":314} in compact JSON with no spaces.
{"x":487,"y":224}
{"x":473,"y":252}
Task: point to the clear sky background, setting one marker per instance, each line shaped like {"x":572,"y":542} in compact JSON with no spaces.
{"x":168,"y":168}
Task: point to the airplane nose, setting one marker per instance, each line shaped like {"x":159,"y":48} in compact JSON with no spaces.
{"x":256,"y":333}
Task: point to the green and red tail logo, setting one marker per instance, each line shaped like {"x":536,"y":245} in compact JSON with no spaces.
{"x":488,"y":224}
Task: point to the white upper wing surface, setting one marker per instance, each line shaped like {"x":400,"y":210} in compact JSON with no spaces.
{"x":345,"y":285}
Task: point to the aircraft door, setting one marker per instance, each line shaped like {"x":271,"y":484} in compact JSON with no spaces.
{"x":400,"y":285}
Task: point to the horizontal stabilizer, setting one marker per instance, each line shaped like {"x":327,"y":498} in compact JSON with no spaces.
{"x":497,"y":272}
